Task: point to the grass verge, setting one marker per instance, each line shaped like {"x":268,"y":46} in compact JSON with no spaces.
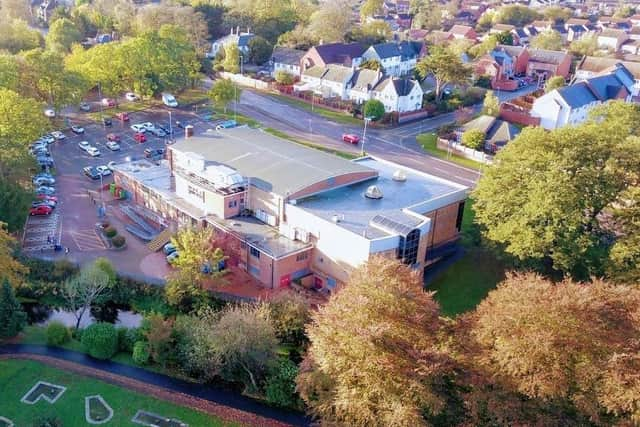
{"x":124,"y":107}
{"x":280,"y":134}
{"x":428,"y":142}
{"x":18,"y":376}
{"x":336,"y":116}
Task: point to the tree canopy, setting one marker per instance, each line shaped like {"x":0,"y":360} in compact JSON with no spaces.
{"x":62,"y":35}
{"x":491,"y":104}
{"x":223,"y":92}
{"x":554,"y":82}
{"x":374,"y":109}
{"x":549,"y":39}
{"x":446,"y":68}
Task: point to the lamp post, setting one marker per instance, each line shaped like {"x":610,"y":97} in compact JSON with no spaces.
{"x":235,"y":103}
{"x":364,"y":133}
{"x":170,"y":126}
{"x":100,"y":101}
{"x":241,"y":63}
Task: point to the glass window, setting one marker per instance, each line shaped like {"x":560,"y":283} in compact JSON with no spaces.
{"x":408,"y":248}
{"x":459,"y":217}
{"x":254,"y":252}
{"x":233,"y":203}
{"x":302,"y":256}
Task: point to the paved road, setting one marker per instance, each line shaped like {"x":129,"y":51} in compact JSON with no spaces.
{"x":398,"y":144}
{"x":214,"y":394}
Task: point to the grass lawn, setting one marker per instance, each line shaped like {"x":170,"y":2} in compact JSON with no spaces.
{"x":128,"y":107}
{"x":192,"y":96}
{"x":462,"y":285}
{"x":18,"y":376}
{"x":336,"y":116}
{"x":343,"y":154}
{"x":428,"y":142}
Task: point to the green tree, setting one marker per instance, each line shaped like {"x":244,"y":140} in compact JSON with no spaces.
{"x":551,"y":217}
{"x":517,"y":15}
{"x":371,"y":64}
{"x":9,"y":72}
{"x":81,"y":291}
{"x":15,"y":200}
{"x":12,"y":318}
{"x":625,"y":253}
{"x":153,"y":16}
{"x":586,"y":46}
{"x":16,"y":36}
{"x":284,"y":78}
{"x":505,"y":37}
{"x":491,"y":104}
{"x":11,"y":269}
{"x":377,"y":365}
{"x":100,"y":340}
{"x":473,"y":138}
{"x":427,"y":14}
{"x":557,"y":14}
{"x":223,"y":92}
{"x":260,"y":50}
{"x":62,"y":35}
{"x":624,"y":12}
{"x":484,"y":47}
{"x":554,"y":82}
{"x":485,"y":22}
{"x":15,"y":9}
{"x":373,"y":109}
{"x":290,"y":314}
{"x":231,"y":61}
{"x":445,"y":67}
{"x":280,"y":387}
{"x":370,"y":8}
{"x":330,"y":22}
{"x":549,"y":39}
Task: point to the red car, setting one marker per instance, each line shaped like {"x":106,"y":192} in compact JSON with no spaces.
{"x":350,"y":138}
{"x":45,"y":197}
{"x":113,"y":137}
{"x":124,"y":117}
{"x":139,"y":137}
{"x":108,"y":102}
{"x":40,"y":210}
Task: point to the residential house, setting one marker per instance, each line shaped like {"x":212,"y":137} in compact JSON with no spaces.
{"x":416,"y":34}
{"x":592,"y":66}
{"x":398,"y":94}
{"x":241,"y":40}
{"x":541,"y":26}
{"x":329,"y":81}
{"x":497,"y":132}
{"x":397,"y":59}
{"x":403,"y":6}
{"x":631,"y":47}
{"x":520,"y":35}
{"x":612,"y":39}
{"x":347,"y":54}
{"x":501,"y":28}
{"x":362,"y":82}
{"x":402,"y":21}
{"x":287,"y":60}
{"x":570,"y":105}
{"x":463,"y":32}
{"x":439,"y":37}
{"x":635,"y":20}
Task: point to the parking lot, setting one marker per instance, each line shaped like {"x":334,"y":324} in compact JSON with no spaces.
{"x":72,"y":224}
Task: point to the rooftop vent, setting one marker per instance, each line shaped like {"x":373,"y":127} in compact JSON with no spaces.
{"x":373,"y":192}
{"x":335,"y":218}
{"x":399,"y":176}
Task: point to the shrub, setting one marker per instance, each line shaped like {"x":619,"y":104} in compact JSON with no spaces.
{"x":110,"y":232}
{"x":57,"y":333}
{"x":124,"y":342}
{"x":141,"y":352}
{"x":374,"y":109}
{"x":47,"y":421}
{"x":118,"y":241}
{"x":280,"y":387}
{"x":473,"y":138}
{"x":100,"y":340}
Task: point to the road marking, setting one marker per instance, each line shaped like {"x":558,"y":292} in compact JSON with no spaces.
{"x":87,"y":240}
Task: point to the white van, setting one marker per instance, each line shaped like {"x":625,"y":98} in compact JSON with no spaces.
{"x":169,"y":100}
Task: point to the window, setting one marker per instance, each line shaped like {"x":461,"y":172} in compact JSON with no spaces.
{"x":302,"y":256}
{"x":459,"y":217}
{"x":233,"y":203}
{"x":254,"y":271}
{"x":254,"y":252}
{"x":408,"y":248}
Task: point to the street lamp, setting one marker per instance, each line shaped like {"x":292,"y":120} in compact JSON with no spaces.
{"x":235,"y":102}
{"x":241,"y":63}
{"x":170,"y":127}
{"x":364,"y":133}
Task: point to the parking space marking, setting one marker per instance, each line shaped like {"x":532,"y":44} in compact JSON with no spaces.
{"x":87,"y":240}
{"x":38,"y":230}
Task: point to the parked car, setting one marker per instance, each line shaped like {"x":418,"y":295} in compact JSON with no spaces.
{"x":111,"y":165}
{"x":165,"y":127}
{"x":77,"y":129}
{"x":104,"y":170}
{"x":45,"y":161}
{"x":171,"y":258}
{"x":49,"y":203}
{"x":91,"y":172}
{"x":85,"y":106}
{"x":227,"y":124}
{"x":83,"y":145}
{"x":38,"y":151}
{"x":113,"y":146}
{"x":43,"y":180}
{"x":46,"y":197}
{"x":169,"y":248}
{"x":350,"y":138}
{"x":140,"y":127}
{"x":107,"y":121}
{"x":41,"y":210}
{"x":108,"y":102}
{"x":50,"y":112}
{"x":151,"y":152}
{"x":123,"y":117}
{"x":43,"y":175}
{"x":47,"y":138}
{"x":148,"y":126}
{"x":113,"y":137}
{"x":158,"y":132}
{"x":139,"y":137}
{"x":130,"y":96}
{"x":93,"y":151}
{"x":169,"y":100}
{"x":49,"y":191}
{"x":58,"y":135}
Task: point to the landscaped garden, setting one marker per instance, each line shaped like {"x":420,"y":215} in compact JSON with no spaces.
{"x":17,"y":377}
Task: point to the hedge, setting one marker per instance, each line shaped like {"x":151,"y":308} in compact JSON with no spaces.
{"x":141,"y":352}
{"x":100,"y":340}
{"x":110,"y":232}
{"x":118,"y":241}
{"x":57,"y":333}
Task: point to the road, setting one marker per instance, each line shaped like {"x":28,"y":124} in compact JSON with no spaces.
{"x":398,"y":144}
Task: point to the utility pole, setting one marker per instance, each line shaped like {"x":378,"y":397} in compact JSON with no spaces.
{"x":235,"y":102}
{"x":170,"y":127}
{"x":364,"y":133}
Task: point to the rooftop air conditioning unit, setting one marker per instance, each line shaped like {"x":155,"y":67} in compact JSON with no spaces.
{"x":335,"y":218}
{"x":373,"y":192}
{"x":399,"y":176}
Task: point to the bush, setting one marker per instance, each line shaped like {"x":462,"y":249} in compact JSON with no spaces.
{"x":110,"y":232}
{"x":57,"y":333}
{"x":125,"y":342}
{"x":374,"y":109}
{"x":473,"y":138}
{"x":280,"y":387}
{"x":118,"y":241}
{"x":47,"y":421}
{"x":141,"y":353}
{"x":100,"y":340}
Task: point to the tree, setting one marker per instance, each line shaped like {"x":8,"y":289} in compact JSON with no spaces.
{"x":504,"y":37}
{"x":16,"y":36}
{"x":370,"y":33}
{"x":557,"y":14}
{"x":223,"y":92}
{"x":473,"y":138}
{"x":100,"y":340}
{"x":624,"y":12}
{"x":15,"y":200}
{"x":231,"y":61}
{"x":586,"y":46}
{"x":9,"y":72}
{"x":290,"y":314}
{"x":486,"y":46}
{"x":12,"y":318}
{"x":15,"y":9}
{"x":370,"y":8}
{"x":377,"y":365}
{"x":153,"y":16}
{"x":585,"y":339}
{"x":445,"y":67}
{"x":298,"y":38}
{"x":330,"y":22}
{"x":81,"y":291}
{"x":553,"y":83}
{"x":371,"y":64}
{"x":491,"y":104}
{"x":625,"y":253}
{"x":517,"y":15}
{"x":373,"y":109}
{"x":280,"y":387}
{"x":485,"y":22}
{"x":158,"y":332}
{"x":62,"y":35}
{"x":551,"y":217}
{"x":549,"y":39}
{"x":284,"y":78}
{"x":428,"y":14}
{"x":260,"y":50}
{"x":11,"y":269}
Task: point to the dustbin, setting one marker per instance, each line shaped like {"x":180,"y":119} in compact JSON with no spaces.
{"x":188,"y":131}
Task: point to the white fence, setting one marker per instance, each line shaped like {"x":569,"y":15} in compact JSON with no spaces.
{"x":460,"y":150}
{"x":245,"y":81}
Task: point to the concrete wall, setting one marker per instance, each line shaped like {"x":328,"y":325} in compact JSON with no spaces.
{"x":286,"y":267}
{"x":267,"y":202}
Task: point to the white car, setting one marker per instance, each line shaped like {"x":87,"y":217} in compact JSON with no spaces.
{"x":140,"y":127}
{"x":49,"y":139}
{"x":148,"y":126}
{"x":111,"y":165}
{"x":104,"y":170}
{"x":83,"y":145}
{"x":130,"y":96}
{"x":58,"y":135}
{"x":50,"y":112}
{"x":93,"y":151}
{"x":169,"y":100}
{"x":113,"y":146}
{"x":77,"y":129}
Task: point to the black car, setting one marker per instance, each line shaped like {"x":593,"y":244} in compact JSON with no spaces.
{"x":165,"y":127}
{"x":150,"y":152}
{"x":107,"y":121}
{"x":91,"y":172}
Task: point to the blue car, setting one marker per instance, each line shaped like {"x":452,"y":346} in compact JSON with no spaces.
{"x":226,"y":125}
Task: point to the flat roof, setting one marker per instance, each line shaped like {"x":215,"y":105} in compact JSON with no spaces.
{"x":400,"y":203}
{"x":271,"y":163}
